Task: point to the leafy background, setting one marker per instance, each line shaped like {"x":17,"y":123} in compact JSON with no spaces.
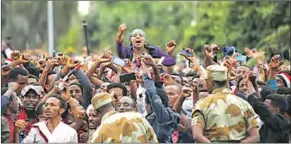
{"x":256,"y":24}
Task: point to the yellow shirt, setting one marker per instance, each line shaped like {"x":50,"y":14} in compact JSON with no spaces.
{"x":127,"y":127}
{"x":224,"y":116}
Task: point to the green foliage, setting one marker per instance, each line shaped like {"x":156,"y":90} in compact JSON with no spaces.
{"x":254,"y":24}
{"x":26,"y":21}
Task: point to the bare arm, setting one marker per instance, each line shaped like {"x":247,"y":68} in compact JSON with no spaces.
{"x":197,"y":131}
{"x":253,"y":136}
{"x":178,"y":104}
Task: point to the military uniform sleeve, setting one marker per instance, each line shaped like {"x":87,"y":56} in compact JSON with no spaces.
{"x":251,"y":117}
{"x":97,"y":136}
{"x":198,"y":118}
{"x":5,"y":133}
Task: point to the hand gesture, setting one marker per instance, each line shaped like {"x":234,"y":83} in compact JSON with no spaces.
{"x":148,"y":60}
{"x":129,"y":66}
{"x":15,"y":55}
{"x":170,"y":47}
{"x":62,"y":59}
{"x":122,"y":28}
{"x":214,"y":47}
{"x":66,"y":92}
{"x":51,"y":63}
{"x":186,"y":91}
{"x":229,"y":64}
{"x":72,"y":63}
{"x":13,"y":85}
{"x":81,"y":113}
{"x":24,"y":58}
{"x":208,"y":51}
{"x":5,"y":70}
{"x":168,"y":80}
{"x":275,"y":62}
{"x":105,"y":57}
{"x":19,"y":125}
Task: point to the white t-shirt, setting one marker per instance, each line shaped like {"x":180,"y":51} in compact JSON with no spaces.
{"x":39,"y":133}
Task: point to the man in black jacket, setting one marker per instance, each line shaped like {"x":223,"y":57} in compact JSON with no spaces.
{"x":275,"y":128}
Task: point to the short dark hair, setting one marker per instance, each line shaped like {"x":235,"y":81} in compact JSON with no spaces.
{"x":117,"y":85}
{"x":77,"y":84}
{"x":220,"y":83}
{"x":266,"y":90}
{"x":62,"y":101}
{"x":278,"y":101}
{"x":12,"y":76}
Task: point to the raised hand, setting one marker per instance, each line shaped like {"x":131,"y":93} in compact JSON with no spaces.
{"x":148,"y":60}
{"x":20,"y":125}
{"x":122,"y":28}
{"x":170,"y":47}
{"x":15,"y":55}
{"x":72,"y":63}
{"x":13,"y":85}
{"x":186,"y":91}
{"x":23,"y":58}
{"x":105,"y":57}
{"x":275,"y":62}
{"x":208,"y":51}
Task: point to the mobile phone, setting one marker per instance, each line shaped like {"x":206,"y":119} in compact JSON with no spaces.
{"x":241,"y":58}
{"x":127,"y":77}
{"x":118,"y":61}
{"x":186,"y":53}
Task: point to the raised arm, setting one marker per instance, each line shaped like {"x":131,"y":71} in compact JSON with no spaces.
{"x":121,"y":50}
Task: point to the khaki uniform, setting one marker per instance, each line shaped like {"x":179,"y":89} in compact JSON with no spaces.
{"x":224,"y":116}
{"x":128,"y":127}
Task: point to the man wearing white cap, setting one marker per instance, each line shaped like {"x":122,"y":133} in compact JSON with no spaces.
{"x":222,"y":116}
{"x":30,"y":97}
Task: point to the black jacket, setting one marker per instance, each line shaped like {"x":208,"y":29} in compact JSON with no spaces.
{"x":275,"y":128}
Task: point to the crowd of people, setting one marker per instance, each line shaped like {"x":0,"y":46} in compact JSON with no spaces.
{"x":145,"y":95}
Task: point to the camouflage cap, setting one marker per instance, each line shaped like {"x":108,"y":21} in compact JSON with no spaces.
{"x":101,"y":99}
{"x":217,"y":72}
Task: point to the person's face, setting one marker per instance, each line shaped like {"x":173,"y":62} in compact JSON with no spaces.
{"x":94,"y":119}
{"x":50,"y":81}
{"x":30,"y":100}
{"x":117,"y":94}
{"x":173,"y":92}
{"x":14,"y":103}
{"x":53,"y":108}
{"x":137,"y":40}
{"x":126,"y":104}
{"x":103,"y":87}
{"x":76,"y":92}
{"x":242,"y":70}
{"x":273,"y":109}
{"x":280,"y":83}
{"x":31,"y":81}
{"x":72,"y":78}
{"x":243,"y":87}
{"x":22,"y":82}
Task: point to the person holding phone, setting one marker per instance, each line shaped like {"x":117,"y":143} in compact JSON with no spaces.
{"x":138,"y":46}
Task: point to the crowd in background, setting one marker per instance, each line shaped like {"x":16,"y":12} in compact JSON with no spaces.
{"x":145,"y":95}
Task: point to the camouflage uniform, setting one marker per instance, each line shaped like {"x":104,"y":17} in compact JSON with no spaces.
{"x":224,"y":116}
{"x":125,"y":127}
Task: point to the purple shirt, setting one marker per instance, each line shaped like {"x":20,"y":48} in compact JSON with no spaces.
{"x":126,"y":52}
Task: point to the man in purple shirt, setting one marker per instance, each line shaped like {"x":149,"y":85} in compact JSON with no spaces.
{"x":138,"y":47}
